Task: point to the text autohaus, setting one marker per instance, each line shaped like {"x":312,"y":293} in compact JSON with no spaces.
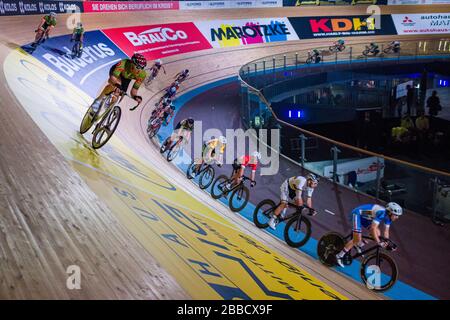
{"x":437,"y":20}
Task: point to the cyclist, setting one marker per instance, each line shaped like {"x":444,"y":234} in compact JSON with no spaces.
{"x":171,"y":91}
{"x":209,"y":153}
{"x":166,"y":111}
{"x":370,"y":216}
{"x":182,"y":75}
{"x":395,"y":46}
{"x":373,"y":48}
{"x":339,"y":44}
{"x":120,"y":76}
{"x":239,"y":166}
{"x":315,"y":55}
{"x":78,"y":34}
{"x":183,"y":129}
{"x":48,"y":22}
{"x":156,"y":67}
{"x":292,"y":188}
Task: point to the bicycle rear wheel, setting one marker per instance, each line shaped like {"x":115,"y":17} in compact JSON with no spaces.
{"x":190,"y":170}
{"x":239,"y":198}
{"x":297,"y":231}
{"x":173,"y":152}
{"x":218,"y":185}
{"x":328,"y":246}
{"x":153,"y":128}
{"x":262,"y":213}
{"x":107,"y":126}
{"x":206,"y":178}
{"x":379,"y":272}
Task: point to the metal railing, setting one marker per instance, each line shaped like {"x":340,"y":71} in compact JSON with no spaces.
{"x":418,"y":188}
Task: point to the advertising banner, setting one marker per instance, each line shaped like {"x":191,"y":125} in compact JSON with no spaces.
{"x":417,"y":2}
{"x":428,"y":23}
{"x":159,"y":40}
{"x":229,"y":4}
{"x":28,"y":7}
{"x":232,"y":33}
{"x":88,"y":72}
{"x":342,"y":26}
{"x":365,"y":169}
{"x":123,"y":6}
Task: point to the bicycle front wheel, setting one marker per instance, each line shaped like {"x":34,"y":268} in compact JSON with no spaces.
{"x":218,"y":186}
{"x":153,"y":129}
{"x":239,"y":198}
{"x":107,"y":127}
{"x":173,"y":152}
{"x":263,"y":212}
{"x":206,"y":178}
{"x":379,"y":272}
{"x":87,"y":121}
{"x":297,"y":231}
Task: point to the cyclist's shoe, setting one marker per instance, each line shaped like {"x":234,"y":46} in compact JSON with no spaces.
{"x":339,"y":261}
{"x":273,"y":223}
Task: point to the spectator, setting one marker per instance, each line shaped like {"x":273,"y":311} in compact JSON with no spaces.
{"x":409,"y":98}
{"x":400,"y":134}
{"x":422,"y":123}
{"x":434,"y":104}
{"x":407,"y":122}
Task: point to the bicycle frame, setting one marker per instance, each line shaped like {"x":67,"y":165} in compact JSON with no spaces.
{"x":363,"y":252}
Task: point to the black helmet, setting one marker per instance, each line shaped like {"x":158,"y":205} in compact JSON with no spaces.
{"x":139,"y":60}
{"x":190,"y":121}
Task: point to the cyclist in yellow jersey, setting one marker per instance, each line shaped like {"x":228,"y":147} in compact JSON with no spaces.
{"x":209,"y":153}
{"x":120,"y":76}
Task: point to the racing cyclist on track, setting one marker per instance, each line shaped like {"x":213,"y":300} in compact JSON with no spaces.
{"x":239,"y":166}
{"x":209,"y":153}
{"x":78,"y":34}
{"x":293,"y":188}
{"x":183,"y":129}
{"x":182,"y":75}
{"x":48,"y":22}
{"x":339,"y":45}
{"x":120,"y":76}
{"x":370,"y":216}
{"x":154,"y":71}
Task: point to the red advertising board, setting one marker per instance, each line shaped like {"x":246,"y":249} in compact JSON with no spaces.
{"x":122,"y":6}
{"x":159,"y":40}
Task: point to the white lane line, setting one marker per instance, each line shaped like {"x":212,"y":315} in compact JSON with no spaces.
{"x":330,"y":212}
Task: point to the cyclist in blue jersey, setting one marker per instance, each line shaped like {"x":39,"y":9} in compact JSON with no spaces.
{"x":370,"y":216}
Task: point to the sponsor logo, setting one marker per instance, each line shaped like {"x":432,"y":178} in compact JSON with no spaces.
{"x":7,"y":7}
{"x":341,"y":24}
{"x":41,"y":7}
{"x":2,"y":9}
{"x":158,"y":34}
{"x":407,"y":22}
{"x":61,"y":7}
{"x":250,"y":30}
{"x":22,"y":10}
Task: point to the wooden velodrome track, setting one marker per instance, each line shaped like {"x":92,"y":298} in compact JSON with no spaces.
{"x":50,"y":218}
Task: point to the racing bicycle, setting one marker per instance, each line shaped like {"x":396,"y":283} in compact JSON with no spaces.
{"x":313,"y":59}
{"x":378,"y":270}
{"x":107,"y":121}
{"x":173,"y":149}
{"x":370,"y":52}
{"x":39,"y":38}
{"x":155,"y":122}
{"x":239,"y":193}
{"x":205,"y":172}
{"x":77,"y":49}
{"x":298,"y":227}
{"x":337,"y":48}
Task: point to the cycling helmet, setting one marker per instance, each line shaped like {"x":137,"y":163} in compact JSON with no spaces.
{"x":394,"y":208}
{"x":139,"y":60}
{"x":316,"y":51}
{"x":53,"y":14}
{"x":186,"y":71}
{"x":190,"y":121}
{"x":257,"y":155}
{"x":79,"y":25}
{"x":222,"y":140}
{"x":373,"y":44}
{"x":312,"y":177}
{"x":340,"y":41}
{"x":158,"y":62}
{"x":176,"y":83}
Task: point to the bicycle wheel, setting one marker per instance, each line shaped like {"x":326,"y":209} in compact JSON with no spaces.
{"x":365,"y":52}
{"x":108,"y":126}
{"x":163,"y":147}
{"x":173,"y":152}
{"x":239,"y":198}
{"x":206,"y":178}
{"x":262,"y":213}
{"x":333,"y":49}
{"x":87,"y":121}
{"x":328,"y":246}
{"x":297,"y":231}
{"x":309,"y":60}
{"x":379,"y":272}
{"x":217,"y":187}
{"x":190,"y":170}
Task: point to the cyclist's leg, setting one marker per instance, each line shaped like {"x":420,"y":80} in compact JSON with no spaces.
{"x":357,"y":235}
{"x":284,"y":197}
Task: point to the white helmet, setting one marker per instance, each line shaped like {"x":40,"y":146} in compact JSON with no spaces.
{"x":222,"y":140}
{"x":394,"y":208}
{"x":53,"y":14}
{"x":158,"y":62}
{"x":257,"y":155}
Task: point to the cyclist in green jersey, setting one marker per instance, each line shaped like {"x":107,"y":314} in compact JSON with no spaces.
{"x":78,"y":34}
{"x":120,"y":76}
{"x":48,"y":22}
